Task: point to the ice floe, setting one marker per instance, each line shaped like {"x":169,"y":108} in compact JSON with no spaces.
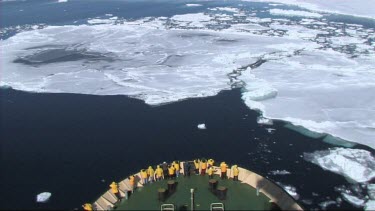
{"x":355,"y":164}
{"x":282,"y":12}
{"x":362,"y":8}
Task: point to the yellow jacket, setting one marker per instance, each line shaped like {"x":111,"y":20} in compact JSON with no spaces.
{"x":114,"y":187}
{"x":211,"y":162}
{"x":196,"y":163}
{"x":176,"y":165}
{"x":210,"y":171}
{"x":150,"y":171}
{"x":159,"y":171}
{"x":143,"y":174}
{"x":204,"y":165}
{"x":87,"y":207}
{"x":132,"y":180}
{"x":223,"y":167}
{"x":236,"y":171}
{"x":171,"y":170}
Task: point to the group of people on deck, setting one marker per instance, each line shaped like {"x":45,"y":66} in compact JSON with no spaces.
{"x":172,"y":171}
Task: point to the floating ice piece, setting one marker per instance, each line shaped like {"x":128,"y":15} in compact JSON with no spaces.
{"x":325,"y":204}
{"x":43,"y":197}
{"x":357,"y":202}
{"x":370,"y":205}
{"x":355,"y":164}
{"x":202,"y":126}
{"x":193,"y":5}
{"x":62,"y":1}
{"x":292,"y":191}
{"x":295,"y":13}
{"x":278,"y":172}
{"x":264,"y":121}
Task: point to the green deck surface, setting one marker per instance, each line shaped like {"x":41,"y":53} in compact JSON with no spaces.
{"x":240,"y":196}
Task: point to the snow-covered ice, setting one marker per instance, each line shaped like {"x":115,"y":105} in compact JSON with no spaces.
{"x":362,"y":8}
{"x":355,"y":164}
{"x":295,"y":13}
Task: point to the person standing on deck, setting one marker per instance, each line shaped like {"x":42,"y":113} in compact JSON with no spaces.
{"x":235,"y":171}
{"x":196,"y":164}
{"x":150,"y":174}
{"x":171,"y":172}
{"x":210,"y":163}
{"x":159,"y":173}
{"x":176,"y":165}
{"x":223,"y":168}
{"x":114,"y":189}
{"x":164,"y":166}
{"x":203,"y":167}
{"x":132,"y":183}
{"x":210,"y":172}
{"x":144,"y":176}
{"x":87,"y":207}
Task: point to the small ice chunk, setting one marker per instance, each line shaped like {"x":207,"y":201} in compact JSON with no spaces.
{"x":202,"y":126}
{"x":62,"y":1}
{"x":326,"y":204}
{"x":43,"y":197}
{"x":193,"y":5}
{"x":292,"y":191}
{"x":264,"y":121}
{"x":278,"y":172}
{"x":370,"y":205}
{"x":357,"y":202}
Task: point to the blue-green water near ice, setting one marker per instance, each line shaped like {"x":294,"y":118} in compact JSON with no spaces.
{"x":74,"y":145}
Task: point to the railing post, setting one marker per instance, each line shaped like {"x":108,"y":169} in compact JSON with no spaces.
{"x":192,"y":199}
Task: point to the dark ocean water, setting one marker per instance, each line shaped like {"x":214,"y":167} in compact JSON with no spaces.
{"x":68,"y":144}
{"x":74,"y":145}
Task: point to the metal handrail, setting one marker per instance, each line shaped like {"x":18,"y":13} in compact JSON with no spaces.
{"x":167,"y":207}
{"x":217,"y":206}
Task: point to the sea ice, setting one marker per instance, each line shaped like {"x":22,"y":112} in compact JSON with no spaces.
{"x":355,"y":164}
{"x":295,"y":13}
{"x":362,"y":8}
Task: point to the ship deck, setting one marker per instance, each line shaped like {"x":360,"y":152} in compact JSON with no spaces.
{"x":239,"y":196}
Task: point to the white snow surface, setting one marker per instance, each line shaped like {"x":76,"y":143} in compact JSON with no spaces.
{"x":356,"y":164}
{"x":151,"y":60}
{"x":362,"y":8}
{"x":295,"y":13}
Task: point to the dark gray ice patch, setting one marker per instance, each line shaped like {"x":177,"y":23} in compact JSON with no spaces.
{"x":50,"y":54}
{"x":173,"y":60}
{"x":195,"y":35}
